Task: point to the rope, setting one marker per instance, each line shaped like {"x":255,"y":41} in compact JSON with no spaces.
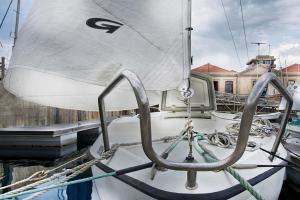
{"x":34,"y":177}
{"x":5,"y":13}
{"x":114,"y":173}
{"x":259,"y":128}
{"x":166,"y":153}
{"x":202,"y":149}
{"x":57,"y":186}
{"x":226,"y":140}
{"x":80,"y":169}
{"x":40,"y":177}
{"x":66,"y":163}
{"x":74,"y":172}
{"x":37,"y":176}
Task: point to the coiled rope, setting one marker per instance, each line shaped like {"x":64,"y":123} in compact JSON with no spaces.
{"x":211,"y":157}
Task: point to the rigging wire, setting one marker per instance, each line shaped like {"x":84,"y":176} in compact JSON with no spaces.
{"x":2,"y":21}
{"x":245,"y":36}
{"x":4,"y":17}
{"x":230,"y":30}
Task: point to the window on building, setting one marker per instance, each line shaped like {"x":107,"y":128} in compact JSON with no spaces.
{"x":216,"y":85}
{"x":229,"y":87}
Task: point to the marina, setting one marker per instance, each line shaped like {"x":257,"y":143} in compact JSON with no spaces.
{"x":171,"y":99}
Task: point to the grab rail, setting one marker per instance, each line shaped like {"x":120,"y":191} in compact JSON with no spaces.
{"x":252,"y":100}
{"x":145,"y":122}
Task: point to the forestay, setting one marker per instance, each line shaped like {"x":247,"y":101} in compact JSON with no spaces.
{"x":68,"y":51}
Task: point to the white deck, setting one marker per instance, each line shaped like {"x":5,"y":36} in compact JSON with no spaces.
{"x":126,"y":130}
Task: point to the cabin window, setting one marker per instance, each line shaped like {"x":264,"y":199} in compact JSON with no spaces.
{"x":216,"y":85}
{"x":202,"y":100}
{"x":229,"y":87}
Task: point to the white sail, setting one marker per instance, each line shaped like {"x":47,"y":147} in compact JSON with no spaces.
{"x":68,"y":51}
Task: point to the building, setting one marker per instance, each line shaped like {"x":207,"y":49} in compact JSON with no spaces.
{"x":290,"y":74}
{"x":241,"y":83}
{"x":262,"y":60}
{"x":223,"y":80}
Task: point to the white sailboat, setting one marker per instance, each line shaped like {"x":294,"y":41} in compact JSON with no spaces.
{"x":67,"y":57}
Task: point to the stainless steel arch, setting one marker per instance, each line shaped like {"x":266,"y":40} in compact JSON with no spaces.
{"x":145,"y":122}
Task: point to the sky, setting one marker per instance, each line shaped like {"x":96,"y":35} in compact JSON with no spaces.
{"x":275,"y":22}
{"x":8,"y":27}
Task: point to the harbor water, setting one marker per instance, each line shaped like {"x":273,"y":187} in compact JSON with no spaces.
{"x":13,"y":171}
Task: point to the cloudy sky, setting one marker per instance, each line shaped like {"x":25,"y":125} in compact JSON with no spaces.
{"x":275,"y":22}
{"x":7,"y":30}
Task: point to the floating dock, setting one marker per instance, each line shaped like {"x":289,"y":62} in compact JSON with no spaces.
{"x":46,"y":142}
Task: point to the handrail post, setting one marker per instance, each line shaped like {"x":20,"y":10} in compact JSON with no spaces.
{"x":257,"y":90}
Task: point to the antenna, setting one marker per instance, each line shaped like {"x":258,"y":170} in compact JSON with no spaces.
{"x":258,"y":46}
{"x":269,"y":49}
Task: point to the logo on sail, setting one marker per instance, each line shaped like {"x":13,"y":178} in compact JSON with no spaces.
{"x":104,"y":24}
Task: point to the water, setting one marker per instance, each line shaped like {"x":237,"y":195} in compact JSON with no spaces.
{"x":15,"y":170}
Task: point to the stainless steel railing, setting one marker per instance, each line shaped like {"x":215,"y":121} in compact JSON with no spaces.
{"x":253,"y":100}
{"x":145,"y":122}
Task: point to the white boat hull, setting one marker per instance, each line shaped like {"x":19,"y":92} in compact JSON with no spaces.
{"x":171,"y":184}
{"x":112,"y":188}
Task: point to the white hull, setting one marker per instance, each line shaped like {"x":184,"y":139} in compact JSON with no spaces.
{"x":113,"y":189}
{"x":214,"y":185}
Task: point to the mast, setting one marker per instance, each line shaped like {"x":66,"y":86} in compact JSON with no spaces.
{"x":17,"y":21}
{"x":185,"y":86}
{"x":188,"y":93}
{"x":286,"y":73}
{"x":189,"y":29}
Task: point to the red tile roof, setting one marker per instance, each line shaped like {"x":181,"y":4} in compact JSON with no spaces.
{"x":210,"y":68}
{"x":292,"y":68}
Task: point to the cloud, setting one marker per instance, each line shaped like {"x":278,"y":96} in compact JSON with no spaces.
{"x":7,"y":30}
{"x":270,"y":21}
{"x":5,"y":50}
{"x":289,"y":52}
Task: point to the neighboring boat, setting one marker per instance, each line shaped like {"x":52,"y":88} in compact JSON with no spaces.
{"x":70,"y":60}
